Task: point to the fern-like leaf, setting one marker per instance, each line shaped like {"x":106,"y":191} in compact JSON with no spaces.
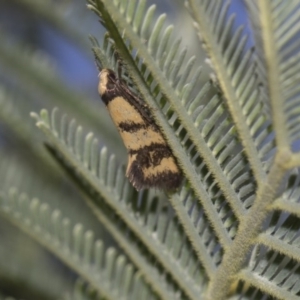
{"x":79,"y":156}
{"x":231,"y":230}
{"x":235,"y":73}
{"x":73,"y":245}
{"x":161,"y":78}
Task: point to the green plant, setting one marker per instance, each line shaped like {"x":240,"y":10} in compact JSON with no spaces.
{"x":232,"y":230}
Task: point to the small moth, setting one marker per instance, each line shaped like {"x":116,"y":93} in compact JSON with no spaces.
{"x":150,"y":159}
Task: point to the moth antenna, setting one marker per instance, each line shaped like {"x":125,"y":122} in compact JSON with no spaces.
{"x":97,"y":62}
{"x":119,"y":64}
{"x":102,"y":22}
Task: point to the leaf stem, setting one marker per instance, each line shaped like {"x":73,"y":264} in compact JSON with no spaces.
{"x":235,"y":257}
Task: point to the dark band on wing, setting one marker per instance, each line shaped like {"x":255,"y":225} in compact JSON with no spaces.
{"x":116,"y":88}
{"x":167,"y":179}
{"x":163,"y":148}
{"x":152,"y":155}
{"x":132,"y":127}
{"x":109,"y":95}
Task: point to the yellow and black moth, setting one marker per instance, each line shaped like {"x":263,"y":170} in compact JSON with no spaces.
{"x":150,"y":159}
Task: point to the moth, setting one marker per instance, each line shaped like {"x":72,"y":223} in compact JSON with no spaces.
{"x":151,"y":163}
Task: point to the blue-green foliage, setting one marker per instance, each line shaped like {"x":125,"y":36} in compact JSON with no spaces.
{"x":231,"y":230}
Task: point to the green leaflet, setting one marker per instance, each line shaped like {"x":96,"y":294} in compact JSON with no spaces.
{"x":232,"y":230}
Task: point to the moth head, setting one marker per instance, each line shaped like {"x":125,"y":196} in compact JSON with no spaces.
{"x":107,"y":81}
